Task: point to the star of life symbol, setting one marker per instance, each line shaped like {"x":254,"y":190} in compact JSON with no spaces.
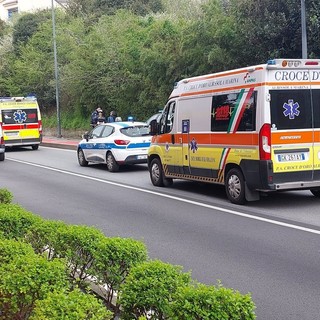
{"x":291,"y":109}
{"x":20,"y":116}
{"x":193,"y":145}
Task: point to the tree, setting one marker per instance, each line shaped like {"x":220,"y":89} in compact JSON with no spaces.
{"x":26,"y":26}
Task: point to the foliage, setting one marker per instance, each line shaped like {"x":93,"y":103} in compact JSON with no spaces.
{"x":115,"y":258}
{"x":46,"y":277}
{"x":26,"y":279}
{"x":27,"y":25}
{"x":149,"y":289}
{"x":126,"y":55}
{"x":11,"y":249}
{"x":73,"y":305}
{"x":43,"y":236}
{"x":78,"y":245}
{"x":15,"y":221}
{"x":97,"y":8}
{"x":5,"y":196}
{"x":211,"y":303}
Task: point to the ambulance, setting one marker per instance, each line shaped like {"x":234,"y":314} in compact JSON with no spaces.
{"x":254,"y":130}
{"x":21,"y":123}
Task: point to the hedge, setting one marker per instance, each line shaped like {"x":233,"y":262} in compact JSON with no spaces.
{"x":52,"y":270}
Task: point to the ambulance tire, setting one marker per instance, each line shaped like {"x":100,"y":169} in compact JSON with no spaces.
{"x":315,"y":192}
{"x":35,"y":147}
{"x":235,"y":186}
{"x":157,"y":176}
{"x":81,"y":158}
{"x":112,"y":164}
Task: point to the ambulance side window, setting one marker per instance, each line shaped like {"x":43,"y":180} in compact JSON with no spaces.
{"x":223,"y":108}
{"x":166,"y":122}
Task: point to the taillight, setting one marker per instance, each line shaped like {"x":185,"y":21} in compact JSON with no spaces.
{"x":265,"y":142}
{"x":40,"y":125}
{"x":121,"y":142}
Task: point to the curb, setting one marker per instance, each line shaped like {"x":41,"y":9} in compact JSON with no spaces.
{"x":62,"y":144}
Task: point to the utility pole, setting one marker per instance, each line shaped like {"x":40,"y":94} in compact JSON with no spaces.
{"x":304,"y":30}
{"x":56,"y":73}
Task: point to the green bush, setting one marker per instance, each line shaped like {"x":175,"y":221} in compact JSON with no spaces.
{"x":27,"y":279}
{"x":79,"y":246}
{"x":149,"y":288}
{"x":15,"y":221}
{"x":74,"y":305}
{"x":115,"y":258}
{"x":5,"y":196}
{"x":10,"y":249}
{"x":211,"y":303}
{"x":44,"y":237}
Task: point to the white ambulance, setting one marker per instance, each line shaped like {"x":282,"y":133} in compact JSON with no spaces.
{"x":254,"y":129}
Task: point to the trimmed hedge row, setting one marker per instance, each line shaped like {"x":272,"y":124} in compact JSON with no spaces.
{"x":52,"y":270}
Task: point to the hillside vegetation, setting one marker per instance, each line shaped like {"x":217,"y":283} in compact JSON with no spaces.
{"x":127,"y":55}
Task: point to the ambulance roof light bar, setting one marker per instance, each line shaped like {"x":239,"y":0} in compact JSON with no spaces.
{"x":17,"y":99}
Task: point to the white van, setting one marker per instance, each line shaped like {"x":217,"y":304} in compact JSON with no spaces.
{"x":254,"y":129}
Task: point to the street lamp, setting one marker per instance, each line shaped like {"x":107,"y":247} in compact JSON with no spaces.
{"x":56,"y":69}
{"x":304,"y":30}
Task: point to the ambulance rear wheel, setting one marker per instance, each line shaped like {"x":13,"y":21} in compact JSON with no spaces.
{"x":157,"y":176}
{"x":235,"y":186}
{"x":35,"y":147}
{"x":315,"y":192}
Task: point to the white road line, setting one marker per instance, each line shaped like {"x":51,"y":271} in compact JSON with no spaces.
{"x":233,"y":212}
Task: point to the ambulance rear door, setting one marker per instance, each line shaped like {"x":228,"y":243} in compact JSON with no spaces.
{"x":295,"y":122}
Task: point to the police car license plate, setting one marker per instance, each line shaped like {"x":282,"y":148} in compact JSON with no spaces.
{"x":144,"y":156}
{"x":287,"y":157}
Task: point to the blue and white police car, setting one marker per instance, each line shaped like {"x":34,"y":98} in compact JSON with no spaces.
{"x":115,"y":144}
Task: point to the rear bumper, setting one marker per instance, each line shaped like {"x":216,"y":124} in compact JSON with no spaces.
{"x":23,"y":142}
{"x":259,"y":176}
{"x":136,"y":159}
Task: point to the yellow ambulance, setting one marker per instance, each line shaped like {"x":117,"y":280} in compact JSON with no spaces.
{"x":255,"y":130}
{"x":21,"y":123}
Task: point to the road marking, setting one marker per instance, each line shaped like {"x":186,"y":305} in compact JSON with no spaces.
{"x":229,"y":211}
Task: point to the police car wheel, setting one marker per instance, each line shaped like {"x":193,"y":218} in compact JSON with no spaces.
{"x":316,"y":192}
{"x":2,"y":156}
{"x":112,"y":164}
{"x":81,"y":158}
{"x":156,"y":174}
{"x":235,"y":186}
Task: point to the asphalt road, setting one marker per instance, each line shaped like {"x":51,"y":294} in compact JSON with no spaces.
{"x":269,"y":248}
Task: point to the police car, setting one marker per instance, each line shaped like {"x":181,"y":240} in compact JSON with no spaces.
{"x":2,"y":147}
{"x":115,"y":144}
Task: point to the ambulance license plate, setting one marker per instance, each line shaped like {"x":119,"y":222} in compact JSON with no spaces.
{"x":11,"y":133}
{"x":291,"y":157}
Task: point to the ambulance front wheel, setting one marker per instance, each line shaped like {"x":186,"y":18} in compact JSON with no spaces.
{"x":235,"y":186}
{"x":157,"y":176}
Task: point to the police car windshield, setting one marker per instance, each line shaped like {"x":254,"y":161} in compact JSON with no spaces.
{"x":135,"y":131}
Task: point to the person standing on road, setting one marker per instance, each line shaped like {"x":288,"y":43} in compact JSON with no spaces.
{"x":112,"y":116}
{"x":101,"y":118}
{"x":94,"y":117}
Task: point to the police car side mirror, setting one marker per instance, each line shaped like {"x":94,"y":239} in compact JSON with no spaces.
{"x":153,"y":127}
{"x":86,"y":136}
